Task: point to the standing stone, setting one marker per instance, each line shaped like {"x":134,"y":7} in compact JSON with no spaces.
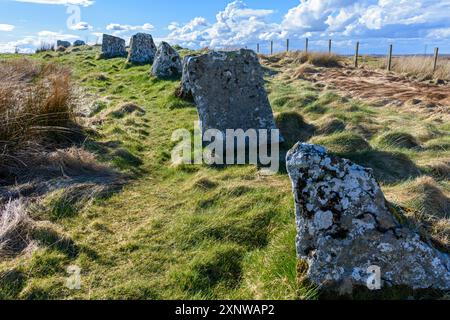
{"x":79,"y":43}
{"x":228,"y":89}
{"x":142,"y":49}
{"x":167,"y":62}
{"x":345,"y":228}
{"x":113,"y":47}
{"x":61,"y":43}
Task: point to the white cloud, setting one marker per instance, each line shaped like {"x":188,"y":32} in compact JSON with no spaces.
{"x":120,"y":28}
{"x":237,"y":24}
{"x":440,"y":33}
{"x":81,"y":26}
{"x":84,"y":3}
{"x":29,"y":44}
{"x":6,"y":27}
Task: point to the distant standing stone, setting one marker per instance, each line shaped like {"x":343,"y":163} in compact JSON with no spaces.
{"x":346,"y":229}
{"x":113,"y":47}
{"x":167,"y":62}
{"x":61,"y":43}
{"x":79,"y":43}
{"x":228,"y":90}
{"x":142,"y":49}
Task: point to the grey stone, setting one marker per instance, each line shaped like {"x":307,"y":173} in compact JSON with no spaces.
{"x":228,"y":90}
{"x":113,"y":47}
{"x":61,"y":43}
{"x":345,"y":226}
{"x":185,"y":90}
{"x":167,"y":62}
{"x":142,"y":49}
{"x":79,"y":43}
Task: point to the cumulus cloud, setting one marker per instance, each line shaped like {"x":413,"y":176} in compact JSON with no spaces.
{"x":84,"y":3}
{"x":237,"y":24}
{"x":81,"y":26}
{"x":6,"y":27}
{"x":126,"y":27}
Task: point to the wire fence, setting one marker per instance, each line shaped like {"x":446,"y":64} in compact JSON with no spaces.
{"x":340,"y":47}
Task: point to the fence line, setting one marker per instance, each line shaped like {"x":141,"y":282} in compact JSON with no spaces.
{"x":306,"y":49}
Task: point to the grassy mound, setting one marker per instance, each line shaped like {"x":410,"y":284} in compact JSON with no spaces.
{"x":293,"y":127}
{"x":427,"y":206}
{"x":330,"y":126}
{"x":342,"y":143}
{"x":399,"y":140}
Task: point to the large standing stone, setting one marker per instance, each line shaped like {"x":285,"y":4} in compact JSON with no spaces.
{"x":61,"y":43}
{"x":142,"y":49}
{"x":345,"y":227}
{"x":79,"y":43}
{"x":113,"y":47}
{"x":167,"y":62}
{"x":228,"y":89}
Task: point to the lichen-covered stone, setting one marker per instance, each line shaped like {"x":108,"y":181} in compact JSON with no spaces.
{"x":184,"y":91}
{"x":79,"y":43}
{"x":167,"y":62}
{"x":113,"y":47}
{"x":228,"y":90}
{"x":61,"y":43}
{"x":345,"y":226}
{"x":142,"y":49}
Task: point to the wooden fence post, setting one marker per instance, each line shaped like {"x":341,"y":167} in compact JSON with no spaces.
{"x":306,"y":45}
{"x":436,"y":55}
{"x":329,"y":46}
{"x":356,"y":54}
{"x":287,"y":45}
{"x":271,"y":47}
{"x":389,"y":62}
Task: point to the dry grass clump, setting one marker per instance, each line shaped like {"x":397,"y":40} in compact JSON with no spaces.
{"x":296,"y":58}
{"x":15,"y":228}
{"x":422,"y":67}
{"x":35,"y":105}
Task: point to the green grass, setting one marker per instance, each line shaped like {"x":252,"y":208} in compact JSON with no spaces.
{"x":192,"y":232}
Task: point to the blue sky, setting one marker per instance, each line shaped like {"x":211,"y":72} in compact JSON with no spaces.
{"x":413,"y":26}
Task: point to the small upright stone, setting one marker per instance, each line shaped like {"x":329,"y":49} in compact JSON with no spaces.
{"x":61,"y":43}
{"x":167,"y":62}
{"x":142,"y":49}
{"x":228,"y":90}
{"x":113,"y":47}
{"x":346,"y":231}
{"x":79,"y":43}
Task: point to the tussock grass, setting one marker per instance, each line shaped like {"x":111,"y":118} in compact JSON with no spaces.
{"x":399,"y":140}
{"x":317,"y":59}
{"x":422,"y":67}
{"x":427,"y":207}
{"x":35,"y":104}
{"x":293,"y":127}
{"x":15,"y":228}
{"x":342,"y":143}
